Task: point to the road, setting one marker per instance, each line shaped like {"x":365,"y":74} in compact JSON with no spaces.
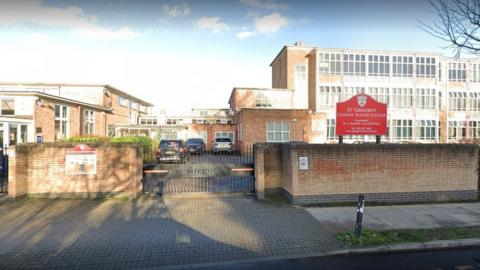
{"x":456,"y":259}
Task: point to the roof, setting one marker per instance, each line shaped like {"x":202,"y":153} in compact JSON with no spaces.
{"x":114,"y":89}
{"x":256,"y":89}
{"x":372,"y":51}
{"x":47,"y":96}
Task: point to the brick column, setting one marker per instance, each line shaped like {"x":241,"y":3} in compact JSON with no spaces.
{"x":259,"y":157}
{"x":17,"y":172}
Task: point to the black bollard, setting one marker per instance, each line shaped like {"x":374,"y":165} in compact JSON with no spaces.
{"x":358,"y":223}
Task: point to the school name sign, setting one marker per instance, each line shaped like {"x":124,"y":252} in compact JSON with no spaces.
{"x":361,"y":115}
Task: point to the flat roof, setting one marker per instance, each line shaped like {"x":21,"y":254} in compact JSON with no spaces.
{"x":373,"y":51}
{"x":114,"y":89}
{"x":40,"y":94}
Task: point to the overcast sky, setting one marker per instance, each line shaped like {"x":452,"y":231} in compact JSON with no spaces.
{"x":184,"y":54}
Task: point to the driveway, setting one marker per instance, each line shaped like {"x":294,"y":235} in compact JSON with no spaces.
{"x":152,"y":231}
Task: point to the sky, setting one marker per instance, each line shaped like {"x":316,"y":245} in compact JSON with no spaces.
{"x":180,"y":55}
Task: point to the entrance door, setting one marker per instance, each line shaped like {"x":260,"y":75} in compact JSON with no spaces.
{"x":13,"y":135}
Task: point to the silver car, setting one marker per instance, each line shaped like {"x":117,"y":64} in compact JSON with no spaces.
{"x":222,"y":145}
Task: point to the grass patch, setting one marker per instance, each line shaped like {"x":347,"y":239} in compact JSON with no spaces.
{"x":369,"y":238}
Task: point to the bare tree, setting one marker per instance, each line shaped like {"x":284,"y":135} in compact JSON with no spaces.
{"x":457,"y":22}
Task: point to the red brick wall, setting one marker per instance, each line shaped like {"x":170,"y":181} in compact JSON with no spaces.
{"x":254,"y":124}
{"x":211,"y":129}
{"x":40,"y":170}
{"x":409,"y":172}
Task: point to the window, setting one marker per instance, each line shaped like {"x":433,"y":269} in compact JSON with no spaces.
{"x":331,"y":129}
{"x":23,"y":134}
{"x":354,"y":64}
{"x":328,"y":96}
{"x":224,"y":135}
{"x":474,"y":130}
{"x":133,"y":105}
{"x":133,"y":118}
{"x":378,"y":65}
{"x":475,"y":72}
{"x":401,"y":129}
{"x":173,"y":121}
{"x":457,"y":72}
{"x":457,"y":130}
{"x":425,"y":98}
{"x":88,"y":122}
{"x":349,"y":92}
{"x":457,"y":101}
{"x":329,"y":64}
{"x":203,"y":113}
{"x":439,"y":71}
{"x":402,"y":98}
{"x":262,"y":100}
{"x":425,"y":67}
{"x":380,"y":94}
{"x":8,"y":107}
{"x":475,"y":102}
{"x":278,"y":132}
{"x":240,"y":132}
{"x":426,"y":129}
{"x":123,"y":101}
{"x":301,"y":72}
{"x":111,"y":130}
{"x":61,"y":122}
{"x":402,"y":66}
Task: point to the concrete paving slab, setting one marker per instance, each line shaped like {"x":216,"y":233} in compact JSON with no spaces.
{"x":405,"y":216}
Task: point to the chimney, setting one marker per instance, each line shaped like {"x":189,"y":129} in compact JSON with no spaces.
{"x":299,"y":43}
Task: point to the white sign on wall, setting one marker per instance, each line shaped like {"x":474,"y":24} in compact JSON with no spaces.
{"x":303,"y":163}
{"x":81,"y":160}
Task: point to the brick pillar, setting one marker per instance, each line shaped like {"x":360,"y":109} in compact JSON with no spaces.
{"x":259,"y":157}
{"x":17,"y":172}
{"x":136,"y":170}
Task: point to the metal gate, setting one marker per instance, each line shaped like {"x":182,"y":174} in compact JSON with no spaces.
{"x":205,"y":172}
{"x":3,"y":171}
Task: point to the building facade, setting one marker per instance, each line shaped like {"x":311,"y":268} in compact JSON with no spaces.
{"x":431,"y":98}
{"x":40,"y":112}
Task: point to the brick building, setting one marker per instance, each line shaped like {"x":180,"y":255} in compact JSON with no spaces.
{"x":430,"y":97}
{"x":48,"y":112}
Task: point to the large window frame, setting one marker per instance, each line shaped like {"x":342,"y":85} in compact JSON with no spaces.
{"x":402,"y":129}
{"x":328,"y":96}
{"x":378,"y":65}
{"x":263,"y":100}
{"x":402,"y":98}
{"x":402,"y":66}
{"x":61,"y":121}
{"x":425,"y":67}
{"x":278,"y":131}
{"x":426,"y":98}
{"x":426,"y":130}
{"x":457,"y":101}
{"x":457,"y":72}
{"x":457,"y":130}
{"x":329,"y":63}
{"x":88,"y":122}
{"x":354,"y":64}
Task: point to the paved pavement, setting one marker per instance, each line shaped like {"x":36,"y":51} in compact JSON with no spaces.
{"x":341,"y":219}
{"x":152,"y":232}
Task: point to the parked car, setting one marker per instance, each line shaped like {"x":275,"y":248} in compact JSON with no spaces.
{"x":222,"y":145}
{"x":172,"y":151}
{"x":195,"y":145}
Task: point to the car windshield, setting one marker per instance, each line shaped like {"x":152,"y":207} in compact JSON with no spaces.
{"x":222,"y":140}
{"x":195,"y":141}
{"x":165,"y":144}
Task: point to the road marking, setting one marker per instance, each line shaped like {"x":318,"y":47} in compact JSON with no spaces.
{"x":155,"y":171}
{"x":242,"y":170}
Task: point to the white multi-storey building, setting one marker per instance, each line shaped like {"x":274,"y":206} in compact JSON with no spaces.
{"x":430,"y":97}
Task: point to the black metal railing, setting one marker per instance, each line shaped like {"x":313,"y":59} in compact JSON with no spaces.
{"x":3,"y":170}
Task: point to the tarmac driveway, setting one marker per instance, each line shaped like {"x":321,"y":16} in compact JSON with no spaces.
{"x":152,"y":231}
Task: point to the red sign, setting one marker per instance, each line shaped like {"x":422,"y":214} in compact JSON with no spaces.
{"x":361,"y":115}
{"x":82,"y":149}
